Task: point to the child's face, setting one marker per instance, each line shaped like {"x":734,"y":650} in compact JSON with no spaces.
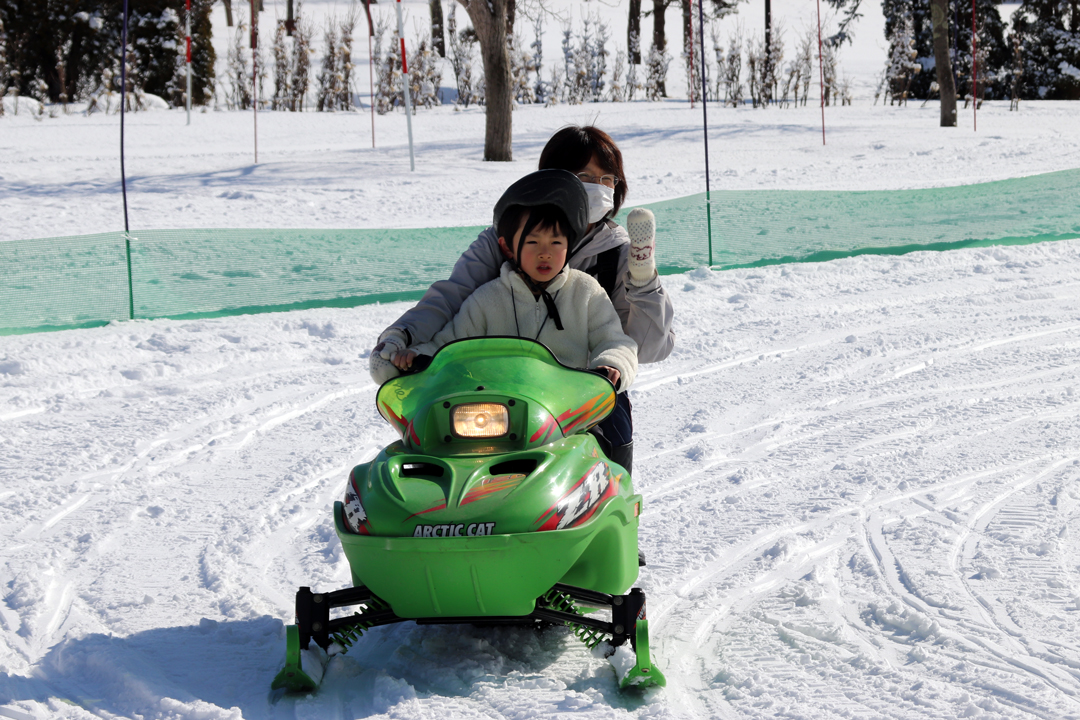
{"x":543,"y":251}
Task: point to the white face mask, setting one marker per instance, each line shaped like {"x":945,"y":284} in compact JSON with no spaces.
{"x":601,"y":201}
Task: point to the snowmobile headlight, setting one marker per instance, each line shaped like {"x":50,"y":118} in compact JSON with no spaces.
{"x":480,"y":420}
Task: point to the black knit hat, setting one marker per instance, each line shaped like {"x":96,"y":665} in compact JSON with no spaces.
{"x":560,"y":188}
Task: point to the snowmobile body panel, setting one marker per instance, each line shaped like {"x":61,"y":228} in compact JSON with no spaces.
{"x":496,"y":505}
{"x":496,"y":575}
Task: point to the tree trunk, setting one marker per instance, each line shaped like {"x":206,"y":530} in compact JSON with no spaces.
{"x":939,"y":12}
{"x":511,"y":17}
{"x":633,"y":29}
{"x":687,"y":27}
{"x":659,"y":38}
{"x":438,"y":37}
{"x":228,"y":12}
{"x":489,"y":18}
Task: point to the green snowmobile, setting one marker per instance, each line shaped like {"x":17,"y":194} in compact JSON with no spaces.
{"x":495,"y":507}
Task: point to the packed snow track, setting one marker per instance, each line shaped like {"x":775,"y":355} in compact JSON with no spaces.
{"x":862,"y":499}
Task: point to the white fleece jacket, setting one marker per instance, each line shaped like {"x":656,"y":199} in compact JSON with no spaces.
{"x":592,"y":333}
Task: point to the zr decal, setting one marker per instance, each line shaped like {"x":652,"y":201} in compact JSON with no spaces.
{"x":581,"y":502}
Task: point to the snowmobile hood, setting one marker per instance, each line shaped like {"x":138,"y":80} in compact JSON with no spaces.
{"x":542,"y":399}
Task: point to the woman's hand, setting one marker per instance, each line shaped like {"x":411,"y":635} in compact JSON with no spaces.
{"x":403,"y":360}
{"x":641,"y":227}
{"x":379,"y":359}
{"x":612,"y":374}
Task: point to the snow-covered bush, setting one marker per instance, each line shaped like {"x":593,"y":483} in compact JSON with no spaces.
{"x":584,"y":76}
{"x":617,"y":92}
{"x":334,"y":84}
{"x":521,"y":67}
{"x":282,"y":70}
{"x":301,"y":65}
{"x":755,"y":69}
{"x":633,"y":85}
{"x":345,"y":62}
{"x":425,"y":76}
{"x":5,"y":76}
{"x":1048,"y":32}
{"x":238,"y":86}
{"x":656,"y":69}
{"x":67,"y":48}
{"x":541,"y":89}
{"x":993,"y":50}
{"x":329,"y":80}
{"x":798,"y":72}
{"x":157,"y":54}
{"x":901,"y":67}
{"x":462,"y":56}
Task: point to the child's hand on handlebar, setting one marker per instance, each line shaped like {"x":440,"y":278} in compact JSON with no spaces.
{"x":612,"y":374}
{"x":403,"y":359}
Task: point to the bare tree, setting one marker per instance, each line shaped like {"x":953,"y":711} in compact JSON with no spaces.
{"x":659,"y":39}
{"x":687,"y":27}
{"x":633,"y":32}
{"x":939,"y":13}
{"x":228,"y":12}
{"x":438,"y":41}
{"x":489,"y":20}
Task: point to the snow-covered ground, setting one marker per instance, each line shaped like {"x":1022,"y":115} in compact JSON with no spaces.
{"x":862,"y":488}
{"x":861,"y":478}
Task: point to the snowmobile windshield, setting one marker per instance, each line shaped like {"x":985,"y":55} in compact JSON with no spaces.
{"x":500,"y":367}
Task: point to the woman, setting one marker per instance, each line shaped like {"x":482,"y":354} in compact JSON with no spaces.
{"x":622,"y":262}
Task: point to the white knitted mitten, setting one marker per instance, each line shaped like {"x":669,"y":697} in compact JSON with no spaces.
{"x":390,"y":343}
{"x":641,"y":227}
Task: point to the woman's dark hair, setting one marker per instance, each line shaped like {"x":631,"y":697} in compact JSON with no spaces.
{"x":572,"y":147}
{"x":544,"y":217}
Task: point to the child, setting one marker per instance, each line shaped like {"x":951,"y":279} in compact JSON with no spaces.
{"x":539,"y":220}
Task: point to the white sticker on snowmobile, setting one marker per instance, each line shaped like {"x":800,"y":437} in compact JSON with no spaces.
{"x":445,"y":531}
{"x":355,"y":515}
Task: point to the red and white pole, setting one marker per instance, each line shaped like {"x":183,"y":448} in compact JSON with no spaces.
{"x":255,"y":71}
{"x":821,"y":71}
{"x":405,"y":83}
{"x":188,"y":30}
{"x":371,"y":67}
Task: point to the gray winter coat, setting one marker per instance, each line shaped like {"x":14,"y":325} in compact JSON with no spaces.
{"x":646,"y":312}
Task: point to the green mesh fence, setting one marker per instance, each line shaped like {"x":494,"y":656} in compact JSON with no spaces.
{"x":758,"y":227}
{"x":83,"y":281}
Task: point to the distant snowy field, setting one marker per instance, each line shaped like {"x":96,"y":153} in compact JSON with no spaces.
{"x":61,"y":176}
{"x":861,"y":478}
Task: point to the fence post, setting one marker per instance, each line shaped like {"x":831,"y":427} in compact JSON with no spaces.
{"x":131,"y":286}
{"x":704,"y":121}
